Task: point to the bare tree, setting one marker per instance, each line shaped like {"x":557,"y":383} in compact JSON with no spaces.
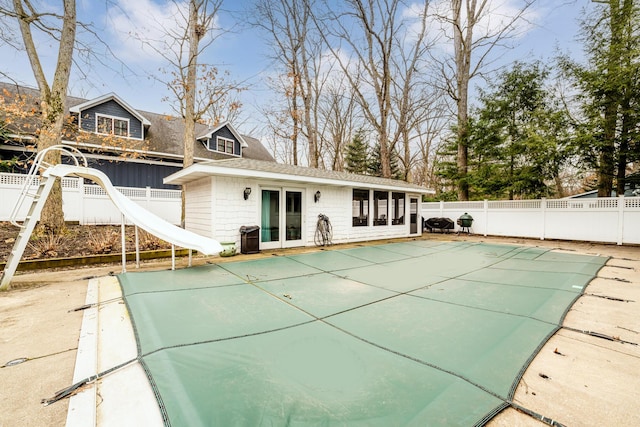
{"x":339,"y":120}
{"x":469,"y":42}
{"x":199,"y":91}
{"x":410,"y":91}
{"x":61,"y":28}
{"x":379,"y":57}
{"x":282,"y":121}
{"x":371,"y":44}
{"x":296,"y":48}
{"x":429,"y":130}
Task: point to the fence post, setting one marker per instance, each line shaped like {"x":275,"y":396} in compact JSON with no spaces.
{"x":441,"y":208}
{"x":81,"y":209}
{"x":486,"y":216}
{"x":148,"y":197}
{"x":620,"y":218}
{"x":543,"y":212}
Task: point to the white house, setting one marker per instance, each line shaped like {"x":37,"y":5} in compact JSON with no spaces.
{"x":285,"y":201}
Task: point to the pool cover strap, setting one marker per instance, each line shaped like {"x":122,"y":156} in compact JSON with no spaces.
{"x":67,"y":392}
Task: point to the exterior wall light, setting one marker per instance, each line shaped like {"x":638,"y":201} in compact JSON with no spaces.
{"x":316,"y":197}
{"x":247,"y":191}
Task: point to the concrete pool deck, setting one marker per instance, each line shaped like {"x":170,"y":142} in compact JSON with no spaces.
{"x":576,"y":379}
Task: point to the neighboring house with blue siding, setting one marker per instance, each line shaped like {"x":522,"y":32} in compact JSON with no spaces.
{"x":134,"y":148}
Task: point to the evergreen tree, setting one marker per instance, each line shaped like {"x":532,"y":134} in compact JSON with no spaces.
{"x":518,"y":136}
{"x":517,"y":139}
{"x":375,"y":163}
{"x":607,"y":135}
{"x":509,"y":123}
{"x":357,"y":155}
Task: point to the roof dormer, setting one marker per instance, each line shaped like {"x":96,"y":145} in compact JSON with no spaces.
{"x":224,"y":139}
{"x":110,"y":115}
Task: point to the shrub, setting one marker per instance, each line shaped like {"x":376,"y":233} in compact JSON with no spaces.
{"x":46,"y":245}
{"x":103,"y":241}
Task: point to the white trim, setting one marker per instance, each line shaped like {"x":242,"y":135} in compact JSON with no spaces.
{"x":384,"y":216}
{"x":400,"y":213}
{"x":361,"y":208}
{"x":276,"y":243}
{"x":105,"y":98}
{"x":225,"y":140}
{"x":302,"y":241}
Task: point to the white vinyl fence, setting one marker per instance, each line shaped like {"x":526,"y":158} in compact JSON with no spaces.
{"x":89,"y":203}
{"x":609,"y":220}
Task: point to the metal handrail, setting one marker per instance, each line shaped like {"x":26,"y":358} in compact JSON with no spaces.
{"x":38,"y":162}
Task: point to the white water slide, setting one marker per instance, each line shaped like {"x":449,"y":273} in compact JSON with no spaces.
{"x":130,"y":210}
{"x":138,"y":215}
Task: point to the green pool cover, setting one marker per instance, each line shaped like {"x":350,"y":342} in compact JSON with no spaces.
{"x":418,"y":333}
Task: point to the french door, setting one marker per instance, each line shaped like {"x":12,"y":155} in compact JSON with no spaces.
{"x":281,"y":218}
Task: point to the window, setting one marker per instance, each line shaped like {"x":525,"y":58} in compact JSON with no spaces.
{"x":105,"y":125}
{"x":380,"y":207}
{"x":112,"y":126}
{"x":360,"y":208}
{"x":120,"y":127}
{"x":397,"y":208}
{"x":225,"y":145}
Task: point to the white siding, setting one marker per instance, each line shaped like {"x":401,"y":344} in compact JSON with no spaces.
{"x":198,"y":200}
{"x":228,"y":211}
{"x":231,"y":210}
{"x":335,"y":202}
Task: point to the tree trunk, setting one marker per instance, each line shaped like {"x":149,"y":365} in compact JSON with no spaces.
{"x":462,"y":51}
{"x":295,"y":116}
{"x":606,"y":170}
{"x":52,"y":99}
{"x":312,"y":136}
{"x":189,"y":112}
{"x":385,"y":155}
{"x":623,"y":152}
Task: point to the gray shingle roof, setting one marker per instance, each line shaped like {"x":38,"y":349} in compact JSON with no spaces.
{"x":272,"y":170}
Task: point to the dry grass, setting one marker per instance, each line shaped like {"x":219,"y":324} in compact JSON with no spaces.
{"x":103,"y":241}
{"x":47,"y":245}
{"x":149,"y":242}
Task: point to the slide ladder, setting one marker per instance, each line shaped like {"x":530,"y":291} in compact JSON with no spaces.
{"x":26,"y":228}
{"x":39,"y":198}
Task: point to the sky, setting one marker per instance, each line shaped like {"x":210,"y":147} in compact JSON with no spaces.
{"x":242,"y":50}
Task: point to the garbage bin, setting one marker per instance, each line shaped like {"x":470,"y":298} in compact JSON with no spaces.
{"x":249,"y":239}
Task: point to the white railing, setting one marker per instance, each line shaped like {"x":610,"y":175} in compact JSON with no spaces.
{"x":88,"y":203}
{"x":609,"y":220}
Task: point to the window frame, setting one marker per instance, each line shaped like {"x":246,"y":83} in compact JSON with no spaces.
{"x":223,"y":144}
{"x":397,"y":211}
{"x":380,"y":215}
{"x":363,"y":202}
{"x":112,"y":126}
